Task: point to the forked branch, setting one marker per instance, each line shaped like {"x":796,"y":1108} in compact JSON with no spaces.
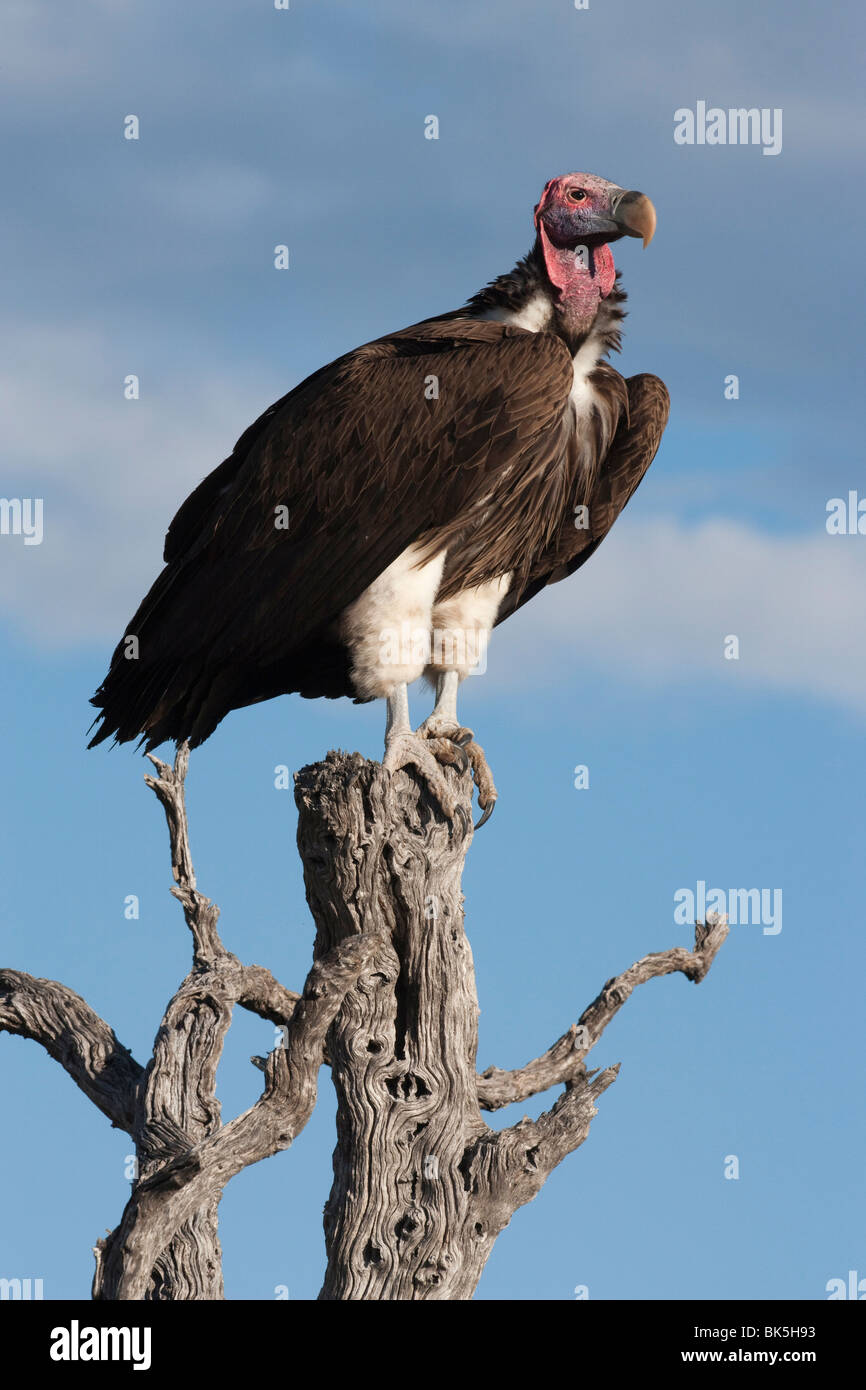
{"x":422,"y":1185}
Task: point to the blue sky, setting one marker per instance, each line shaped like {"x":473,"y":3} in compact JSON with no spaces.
{"x":155,"y":257}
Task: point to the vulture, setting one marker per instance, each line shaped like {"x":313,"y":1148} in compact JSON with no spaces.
{"x":378,"y":521}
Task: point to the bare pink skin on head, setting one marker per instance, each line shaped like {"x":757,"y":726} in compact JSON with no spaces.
{"x":579,"y":262}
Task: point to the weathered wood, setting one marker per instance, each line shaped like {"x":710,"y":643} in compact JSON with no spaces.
{"x":166,"y":1245}
{"x":77,"y":1038}
{"x":377,"y":857}
{"x":422,"y":1186}
{"x":165,"y":1227}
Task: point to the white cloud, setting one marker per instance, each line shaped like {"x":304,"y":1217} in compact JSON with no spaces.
{"x":657,"y":601}
{"x":653,"y":606}
{"x":111,"y":473}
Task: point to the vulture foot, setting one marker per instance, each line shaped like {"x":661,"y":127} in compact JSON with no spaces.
{"x":407,"y":748}
{"x":440,"y":731}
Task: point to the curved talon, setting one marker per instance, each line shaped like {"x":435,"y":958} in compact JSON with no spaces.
{"x":441,"y":732}
{"x":465,"y":818}
{"x":463,"y":760}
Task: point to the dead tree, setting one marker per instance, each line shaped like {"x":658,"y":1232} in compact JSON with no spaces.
{"x":422,"y":1186}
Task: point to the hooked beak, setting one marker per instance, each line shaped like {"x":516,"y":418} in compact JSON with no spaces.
{"x":629,"y":214}
{"x":634,"y":214}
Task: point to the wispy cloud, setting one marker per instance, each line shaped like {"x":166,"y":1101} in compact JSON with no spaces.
{"x":656,"y":603}
{"x":249,"y":140}
{"x":653,"y":607}
{"x":111,"y":472}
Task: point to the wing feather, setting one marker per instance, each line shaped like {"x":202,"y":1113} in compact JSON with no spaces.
{"x":367,"y":458}
{"x":632,"y":450}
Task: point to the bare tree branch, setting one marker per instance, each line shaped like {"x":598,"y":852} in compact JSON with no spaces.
{"x":265,"y":996}
{"x":562,"y":1062}
{"x":161,"y":1204}
{"x":177,"y":1104}
{"x":693,"y":964}
{"x":558,"y":1065}
{"x":76,"y":1037}
{"x":505,"y":1170}
{"x":422,"y":1186}
{"x":186,"y":1155}
{"x":200,"y":913}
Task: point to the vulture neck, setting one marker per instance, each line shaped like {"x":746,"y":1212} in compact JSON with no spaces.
{"x":576,"y":310}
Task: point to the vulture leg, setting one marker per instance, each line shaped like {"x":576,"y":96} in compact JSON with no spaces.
{"x":442,"y":727}
{"x":404,"y":746}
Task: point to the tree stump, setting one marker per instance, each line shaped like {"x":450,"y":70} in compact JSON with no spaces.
{"x":422,"y":1186}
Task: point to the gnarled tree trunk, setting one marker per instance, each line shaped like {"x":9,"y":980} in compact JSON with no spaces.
{"x":422,"y":1186}
{"x":401,"y":1220}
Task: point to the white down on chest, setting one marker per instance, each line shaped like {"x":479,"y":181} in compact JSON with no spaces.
{"x":401,"y":603}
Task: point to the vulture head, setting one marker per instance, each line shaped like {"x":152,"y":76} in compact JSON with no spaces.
{"x":576,"y":219}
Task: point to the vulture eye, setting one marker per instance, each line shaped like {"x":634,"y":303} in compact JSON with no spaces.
{"x":577,"y":195}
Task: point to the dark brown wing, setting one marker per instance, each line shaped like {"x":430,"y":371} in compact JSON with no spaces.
{"x":632,"y":450}
{"x":394,"y":439}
